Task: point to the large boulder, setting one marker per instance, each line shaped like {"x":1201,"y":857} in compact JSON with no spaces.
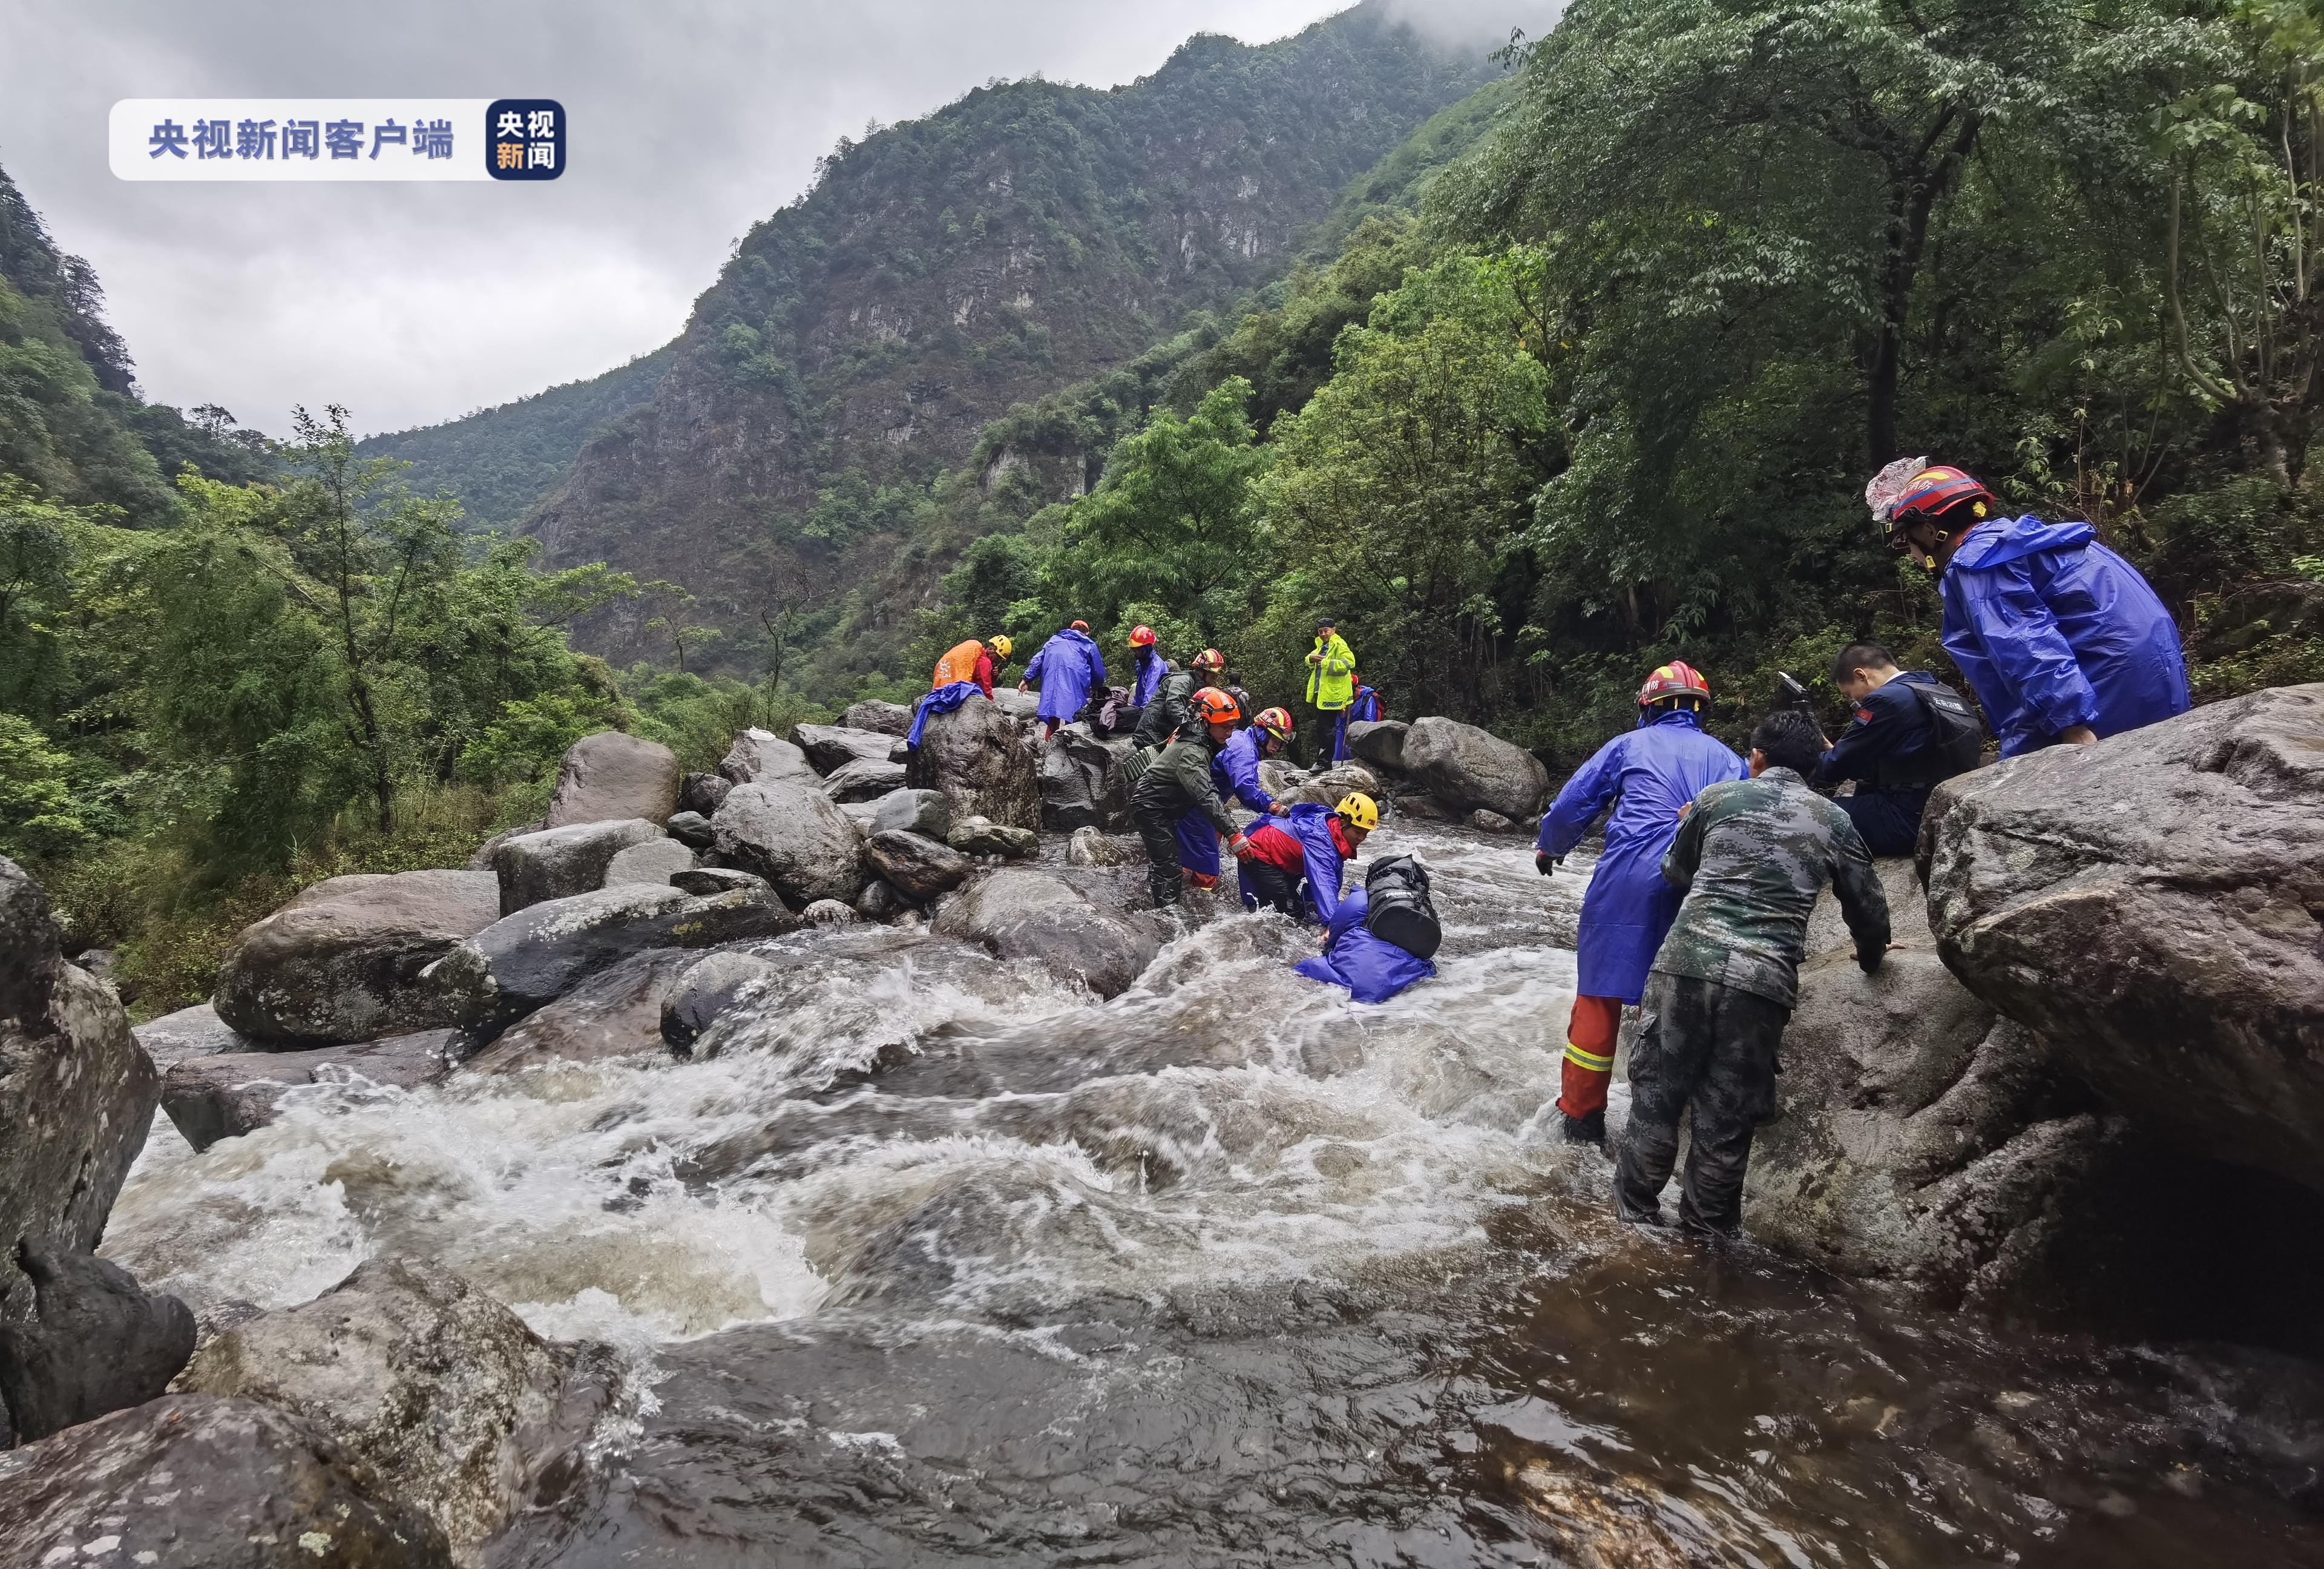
{"x":711,"y":987}
{"x":887,"y":718}
{"x":77,"y":1092}
{"x":248,"y":1486}
{"x":793,"y":835}
{"x":1019,"y":913}
{"x":1468,"y":767}
{"x":337,"y":962}
{"x":760,"y":756}
{"x":559,"y":863}
{"x":832,"y":747}
{"x":210,"y":1098}
{"x":526,"y":961}
{"x":864,"y":780}
{"x":914,"y":811}
{"x":617,"y":1013}
{"x":917,"y":866}
{"x":610,"y":776}
{"x":1378,"y":741}
{"x":987,"y":763}
{"x":2151,"y":905}
{"x":444,"y":1393}
{"x":96,"y":1343}
{"x":1081,"y":782}
{"x":653,"y":861}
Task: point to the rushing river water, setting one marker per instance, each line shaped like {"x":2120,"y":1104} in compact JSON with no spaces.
{"x":936,"y":1261}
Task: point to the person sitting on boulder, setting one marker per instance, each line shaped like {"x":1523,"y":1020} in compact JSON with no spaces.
{"x":1176,"y":785}
{"x":2060,"y":638}
{"x":1647,"y":775}
{"x":1172,"y":701}
{"x":1295,"y":865}
{"x":972,"y":661}
{"x":1911,"y":734}
{"x":1068,"y":670}
{"x":1752,"y":856}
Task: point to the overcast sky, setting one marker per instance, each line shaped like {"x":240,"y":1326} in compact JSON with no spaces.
{"x":414,"y":303}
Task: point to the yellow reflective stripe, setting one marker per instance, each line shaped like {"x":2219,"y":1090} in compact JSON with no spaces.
{"x":1589,"y":1059}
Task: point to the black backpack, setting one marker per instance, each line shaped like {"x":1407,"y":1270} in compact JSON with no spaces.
{"x":1956,"y":739}
{"x":1400,"y":910}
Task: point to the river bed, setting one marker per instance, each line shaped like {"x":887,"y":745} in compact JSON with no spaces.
{"x":936,"y":1260}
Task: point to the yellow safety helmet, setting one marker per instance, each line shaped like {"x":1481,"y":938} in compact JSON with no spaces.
{"x":1360,"y":810}
{"x":1001,"y":648}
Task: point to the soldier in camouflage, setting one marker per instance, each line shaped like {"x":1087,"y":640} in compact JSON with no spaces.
{"x":1753,"y":855}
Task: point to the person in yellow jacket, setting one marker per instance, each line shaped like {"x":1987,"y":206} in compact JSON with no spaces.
{"x":974,"y":660}
{"x":1330,"y":673}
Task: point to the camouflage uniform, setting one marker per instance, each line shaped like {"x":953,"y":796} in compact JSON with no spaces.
{"x":1753,"y":855}
{"x":1175,"y":782}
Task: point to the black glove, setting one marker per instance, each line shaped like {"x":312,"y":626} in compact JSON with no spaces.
{"x":1545,"y":863}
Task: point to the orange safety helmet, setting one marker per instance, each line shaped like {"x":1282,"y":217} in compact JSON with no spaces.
{"x":1141,"y":637}
{"x":1677,"y":679}
{"x":1212,"y":706}
{"x":1209,"y":659}
{"x":1276,"y":722}
{"x":1079,"y":626}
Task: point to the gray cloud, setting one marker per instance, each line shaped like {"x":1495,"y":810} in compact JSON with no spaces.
{"x":413,"y":303}
{"x":1476,"y":25}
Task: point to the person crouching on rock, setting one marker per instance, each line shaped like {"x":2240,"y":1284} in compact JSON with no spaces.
{"x":1647,"y":775}
{"x":1068,"y":668}
{"x":1753,"y":854}
{"x":974,"y":660}
{"x":1176,"y":786}
{"x":1910,"y":735}
{"x":1295,"y":865}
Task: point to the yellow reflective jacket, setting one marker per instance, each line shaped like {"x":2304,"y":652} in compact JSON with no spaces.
{"x":1332,"y":680}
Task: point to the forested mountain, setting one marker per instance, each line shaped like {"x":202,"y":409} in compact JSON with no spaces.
{"x":941,"y":271}
{"x":500,"y":461}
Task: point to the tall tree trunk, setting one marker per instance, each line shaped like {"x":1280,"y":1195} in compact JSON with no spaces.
{"x":1915,"y":189}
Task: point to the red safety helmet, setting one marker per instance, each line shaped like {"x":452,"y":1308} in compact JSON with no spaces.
{"x":1677,"y":679}
{"x":1209,"y":659}
{"x":1079,"y":626}
{"x":1929,"y":490}
{"x":1212,"y":706}
{"x":1276,"y":722}
{"x":1141,"y":637}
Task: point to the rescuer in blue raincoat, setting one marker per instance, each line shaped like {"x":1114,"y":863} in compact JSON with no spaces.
{"x":1648,"y":775}
{"x":1296,"y":862}
{"x":1235,"y":772}
{"x":1147,"y":666}
{"x":1372,"y":968}
{"x":1069,"y":668}
{"x":2060,"y":638}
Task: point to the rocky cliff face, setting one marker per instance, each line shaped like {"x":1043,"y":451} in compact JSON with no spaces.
{"x":942,"y":272}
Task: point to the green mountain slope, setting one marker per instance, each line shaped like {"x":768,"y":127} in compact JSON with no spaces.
{"x":500,"y":461}
{"x":942,"y":272}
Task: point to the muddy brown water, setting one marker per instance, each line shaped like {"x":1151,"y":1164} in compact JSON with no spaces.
{"x":936,"y":1261}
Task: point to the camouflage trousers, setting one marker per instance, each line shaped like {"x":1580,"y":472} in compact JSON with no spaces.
{"x":1706,"y":1051}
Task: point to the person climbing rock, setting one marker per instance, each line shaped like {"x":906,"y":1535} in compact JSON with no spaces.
{"x":1911,"y":734}
{"x":1752,"y":856}
{"x":1068,"y":670}
{"x":2060,"y":639}
{"x":1647,"y":775}
{"x":1330,"y":673}
{"x":1294,"y":864}
{"x":1176,"y":784}
{"x":974,"y":661}
{"x":1172,"y":701}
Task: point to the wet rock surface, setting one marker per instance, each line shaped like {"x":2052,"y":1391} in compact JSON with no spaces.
{"x":915,"y":812}
{"x":864,"y":781}
{"x":1081,"y":782}
{"x":872,"y":713}
{"x":559,"y":863}
{"x":1091,"y":847}
{"x":1378,"y":741}
{"x":710,"y":987}
{"x":701,"y":794}
{"x":761,"y":756}
{"x":983,"y":836}
{"x":986,"y":763}
{"x":692,"y":828}
{"x":247,"y":1486}
{"x":832,"y":747}
{"x":94,"y":1343}
{"x":196,"y":1031}
{"x":612,"y":776}
{"x":793,"y":835}
{"x":1467,"y":767}
{"x":2151,"y":905}
{"x":616,"y":1013}
{"x":441,"y":1392}
{"x":337,"y":964}
{"x":651,"y":861}
{"x":918,"y":867}
{"x":1018,"y":913}
{"x":224,"y":1096}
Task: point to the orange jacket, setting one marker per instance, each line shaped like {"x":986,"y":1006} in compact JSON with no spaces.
{"x":968,"y":661}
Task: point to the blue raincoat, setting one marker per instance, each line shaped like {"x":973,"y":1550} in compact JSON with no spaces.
{"x":1372,"y":968}
{"x":1365,"y":709}
{"x":1649,"y":775}
{"x":1310,"y":824}
{"x":1234,"y":768}
{"x":943,"y":700}
{"x":1068,"y":668}
{"x":1146,"y":677}
{"x":2054,"y":630}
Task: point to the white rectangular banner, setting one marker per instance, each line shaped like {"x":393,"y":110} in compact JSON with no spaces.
{"x":521,"y":139}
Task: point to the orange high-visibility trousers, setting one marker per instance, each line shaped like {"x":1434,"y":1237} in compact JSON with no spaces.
{"x":1589,"y":1066}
